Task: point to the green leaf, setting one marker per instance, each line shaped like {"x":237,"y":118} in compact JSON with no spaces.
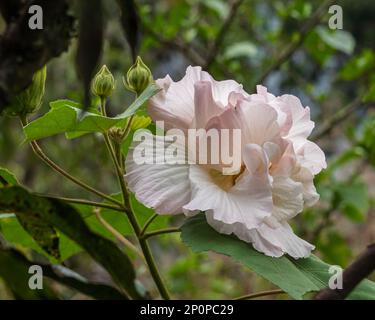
{"x":219,"y":6}
{"x":61,"y":275}
{"x":7,"y":177}
{"x":16,"y":275}
{"x":353,"y":200}
{"x":241,"y":49}
{"x":15,"y":234}
{"x":337,"y":39}
{"x":67,"y":117}
{"x":358,"y":65}
{"x":68,"y":221}
{"x":44,"y":234}
{"x":296,"y":277}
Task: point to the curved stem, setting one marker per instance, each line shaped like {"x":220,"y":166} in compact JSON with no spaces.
{"x":259,"y":294}
{"x":128,"y":126}
{"x":118,"y":235}
{"x":84,"y":202}
{"x":39,"y":152}
{"x":132,"y":218}
{"x":161,"y":231}
{"x":147,"y":224}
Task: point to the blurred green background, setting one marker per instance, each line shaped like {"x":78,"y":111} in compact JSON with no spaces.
{"x":332,"y":71}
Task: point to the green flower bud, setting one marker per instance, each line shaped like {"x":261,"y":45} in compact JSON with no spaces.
{"x":138,"y":77}
{"x":30,"y":99}
{"x":116,"y":134}
{"x":103,"y":83}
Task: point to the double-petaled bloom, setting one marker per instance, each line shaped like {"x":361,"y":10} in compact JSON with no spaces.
{"x":278,"y":163}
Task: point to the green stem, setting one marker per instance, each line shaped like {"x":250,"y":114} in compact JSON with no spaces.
{"x":148,"y":222}
{"x":132,"y":218}
{"x":39,"y":152}
{"x":118,"y":235}
{"x":161,"y":231}
{"x":259,"y":294}
{"x":128,"y":126}
{"x":84,"y":202}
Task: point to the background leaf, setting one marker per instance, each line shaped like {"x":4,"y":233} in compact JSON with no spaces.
{"x":66,"y":219}
{"x":337,"y":39}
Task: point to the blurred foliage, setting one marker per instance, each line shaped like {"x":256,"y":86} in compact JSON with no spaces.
{"x":328,"y":71}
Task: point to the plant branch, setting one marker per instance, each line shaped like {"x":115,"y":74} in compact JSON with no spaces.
{"x":214,"y":50}
{"x":338,"y":118}
{"x":187,"y":50}
{"x":260,"y":294}
{"x":39,"y":152}
{"x":118,"y":235}
{"x":134,"y":222}
{"x":147,"y":224}
{"x":292,"y":47}
{"x":84,"y":202}
{"x":352,"y":276}
{"x":159,"y":232}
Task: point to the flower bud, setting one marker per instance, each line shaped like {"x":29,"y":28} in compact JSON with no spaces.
{"x":103,"y":83}
{"x":30,"y":99}
{"x":116,"y":134}
{"x":138,"y":77}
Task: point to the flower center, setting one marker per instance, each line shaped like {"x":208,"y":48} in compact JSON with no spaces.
{"x":225,"y":182}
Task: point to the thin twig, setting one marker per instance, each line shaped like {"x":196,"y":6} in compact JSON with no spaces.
{"x":352,"y":276}
{"x":303,"y":33}
{"x":161,"y":231}
{"x":39,"y":152}
{"x":148,"y":222}
{"x":260,"y":294}
{"x":339,"y":117}
{"x":84,"y":202}
{"x":214,"y":50}
{"x":177,"y":44}
{"x":117,"y":235}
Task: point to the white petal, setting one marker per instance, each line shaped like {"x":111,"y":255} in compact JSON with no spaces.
{"x":247,"y":203}
{"x":205,"y":105}
{"x":262,"y":124}
{"x":310,"y":196}
{"x":273,"y":242}
{"x":300,"y":119}
{"x":163,"y":187}
{"x":311,"y":157}
{"x":287,"y":198}
{"x":175,"y":104}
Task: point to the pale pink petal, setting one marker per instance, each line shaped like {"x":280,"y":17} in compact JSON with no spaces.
{"x":248,"y":202}
{"x":272,"y":241}
{"x":205,"y":105}
{"x":161,"y":186}
{"x":310,"y":196}
{"x":257,"y":122}
{"x":301,"y":125}
{"x":287,"y":196}
{"x":261,"y":120}
{"x":262,"y":95}
{"x":310,"y":156}
{"x":223,"y":89}
{"x":175,"y":103}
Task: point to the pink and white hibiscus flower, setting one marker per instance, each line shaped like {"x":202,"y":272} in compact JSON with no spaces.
{"x":278,"y":163}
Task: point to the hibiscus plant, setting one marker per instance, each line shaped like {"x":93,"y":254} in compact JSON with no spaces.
{"x":212,"y":165}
